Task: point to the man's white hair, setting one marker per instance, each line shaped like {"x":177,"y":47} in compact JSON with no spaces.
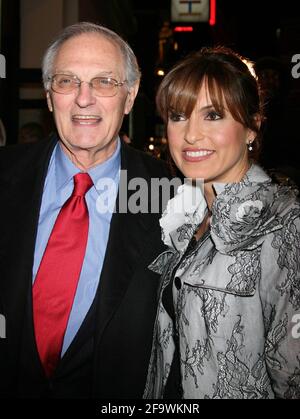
{"x":132,"y":72}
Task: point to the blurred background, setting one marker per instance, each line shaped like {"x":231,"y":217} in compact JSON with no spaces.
{"x":160,"y":32}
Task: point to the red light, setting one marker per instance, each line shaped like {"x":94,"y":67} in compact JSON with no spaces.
{"x":183,"y":29}
{"x":213,"y":12}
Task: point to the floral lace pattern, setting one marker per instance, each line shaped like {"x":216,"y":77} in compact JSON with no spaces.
{"x":245,"y":212}
{"x":236,"y":293}
{"x":287,"y":241}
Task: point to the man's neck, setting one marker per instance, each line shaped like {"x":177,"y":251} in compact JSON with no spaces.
{"x":86,"y":159}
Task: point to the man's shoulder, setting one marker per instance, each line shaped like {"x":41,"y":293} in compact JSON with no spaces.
{"x":12,"y":152}
{"x":18,"y":157}
{"x":139,"y":161}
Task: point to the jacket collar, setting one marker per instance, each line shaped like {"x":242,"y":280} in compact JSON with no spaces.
{"x":242,"y":213}
{"x":255,"y":174}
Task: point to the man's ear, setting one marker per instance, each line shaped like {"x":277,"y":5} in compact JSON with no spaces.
{"x":131,"y":97}
{"x":49,"y":101}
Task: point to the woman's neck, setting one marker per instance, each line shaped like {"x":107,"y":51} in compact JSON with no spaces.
{"x":209,"y":194}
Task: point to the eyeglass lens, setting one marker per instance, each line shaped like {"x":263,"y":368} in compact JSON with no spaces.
{"x":103,"y":86}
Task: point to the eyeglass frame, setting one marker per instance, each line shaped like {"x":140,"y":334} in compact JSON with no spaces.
{"x":79,"y":82}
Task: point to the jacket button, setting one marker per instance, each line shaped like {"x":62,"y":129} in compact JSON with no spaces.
{"x":177,"y":282}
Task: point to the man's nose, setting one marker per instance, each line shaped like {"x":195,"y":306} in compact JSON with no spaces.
{"x":85,"y":95}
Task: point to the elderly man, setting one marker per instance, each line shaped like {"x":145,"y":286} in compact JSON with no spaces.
{"x":78,"y":300}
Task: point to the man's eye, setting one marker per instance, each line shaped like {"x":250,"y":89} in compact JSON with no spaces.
{"x":213,"y":116}
{"x":175,"y":116}
{"x":65,"y":81}
{"x":103,"y":82}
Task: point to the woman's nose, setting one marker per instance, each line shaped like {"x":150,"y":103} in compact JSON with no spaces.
{"x":194,"y":131}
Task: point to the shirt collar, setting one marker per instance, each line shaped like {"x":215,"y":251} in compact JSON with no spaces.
{"x":65,"y":170}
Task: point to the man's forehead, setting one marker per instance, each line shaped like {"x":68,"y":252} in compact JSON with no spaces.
{"x":90,"y":49}
{"x":90,"y":42}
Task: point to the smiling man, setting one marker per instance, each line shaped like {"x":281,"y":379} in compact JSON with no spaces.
{"x":78,"y":300}
{"x":90,"y":100}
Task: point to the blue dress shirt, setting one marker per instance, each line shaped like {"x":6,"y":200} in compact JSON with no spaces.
{"x":57,"y":189}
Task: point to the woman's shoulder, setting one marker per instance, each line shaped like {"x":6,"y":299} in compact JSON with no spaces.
{"x":245,"y":213}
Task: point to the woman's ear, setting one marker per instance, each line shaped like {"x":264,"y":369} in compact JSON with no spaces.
{"x":253,"y":134}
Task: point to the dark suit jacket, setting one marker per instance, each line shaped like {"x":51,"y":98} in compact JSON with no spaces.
{"x":127,"y":297}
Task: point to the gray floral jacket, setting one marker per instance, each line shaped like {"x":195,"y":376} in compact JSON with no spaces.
{"x":236,"y":299}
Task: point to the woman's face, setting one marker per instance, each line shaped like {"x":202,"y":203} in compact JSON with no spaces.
{"x":207,"y":145}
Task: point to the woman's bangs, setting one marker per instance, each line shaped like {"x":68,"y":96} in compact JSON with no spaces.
{"x":183,"y":95}
{"x":223,"y":96}
{"x":217,"y":94}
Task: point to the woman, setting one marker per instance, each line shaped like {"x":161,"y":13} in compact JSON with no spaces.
{"x":230,"y":292}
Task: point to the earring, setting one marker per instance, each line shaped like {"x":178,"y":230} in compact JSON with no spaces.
{"x":250,"y":148}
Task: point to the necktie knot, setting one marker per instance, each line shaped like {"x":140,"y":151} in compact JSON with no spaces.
{"x":82,"y":183}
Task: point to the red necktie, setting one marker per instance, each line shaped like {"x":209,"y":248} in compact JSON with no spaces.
{"x":57,"y":278}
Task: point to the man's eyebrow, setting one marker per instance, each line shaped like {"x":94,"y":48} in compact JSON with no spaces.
{"x":66,"y":72}
{"x":105,"y":73}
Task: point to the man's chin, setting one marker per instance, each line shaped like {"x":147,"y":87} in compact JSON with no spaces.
{"x":81,"y":144}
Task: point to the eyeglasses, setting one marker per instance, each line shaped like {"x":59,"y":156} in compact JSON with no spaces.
{"x":103,"y":86}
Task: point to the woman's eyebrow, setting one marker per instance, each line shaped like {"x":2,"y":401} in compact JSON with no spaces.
{"x":207,"y":107}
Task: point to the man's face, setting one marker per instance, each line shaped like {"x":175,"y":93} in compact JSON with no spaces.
{"x":84,"y":120}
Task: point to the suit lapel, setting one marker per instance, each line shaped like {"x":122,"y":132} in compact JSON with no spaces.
{"x":128,"y":238}
{"x":23,"y":187}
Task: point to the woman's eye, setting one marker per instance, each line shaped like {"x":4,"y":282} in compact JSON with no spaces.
{"x":213,"y":116}
{"x":175,"y":117}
